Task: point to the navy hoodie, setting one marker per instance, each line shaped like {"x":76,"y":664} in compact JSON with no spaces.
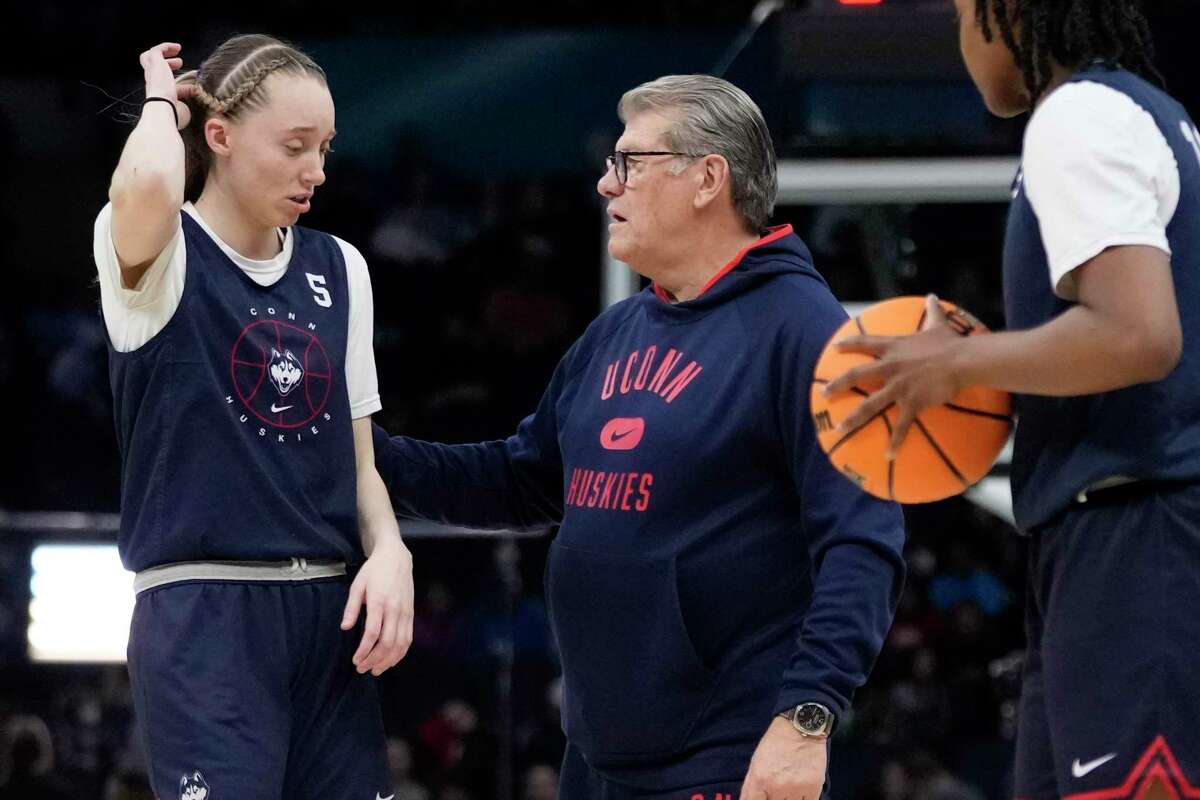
{"x":711,"y":568}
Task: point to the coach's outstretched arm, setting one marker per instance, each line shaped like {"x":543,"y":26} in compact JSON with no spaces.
{"x":514,"y":483}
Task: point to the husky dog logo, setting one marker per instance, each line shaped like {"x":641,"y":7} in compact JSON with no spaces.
{"x":286,"y":371}
{"x":193,"y":787}
{"x":282,"y":376}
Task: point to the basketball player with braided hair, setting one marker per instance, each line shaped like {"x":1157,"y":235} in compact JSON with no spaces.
{"x":1102,"y":296}
{"x":243,"y":382}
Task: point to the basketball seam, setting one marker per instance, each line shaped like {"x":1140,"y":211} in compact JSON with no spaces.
{"x":838,"y":443}
{"x":891,"y":462}
{"x":863,"y":330}
{"x":941,"y":454}
{"x":977,"y":412}
{"x":849,"y":435}
{"x":887,"y":424}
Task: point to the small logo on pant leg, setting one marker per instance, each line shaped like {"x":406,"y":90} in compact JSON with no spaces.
{"x":193,"y":787}
{"x":1078,"y":770}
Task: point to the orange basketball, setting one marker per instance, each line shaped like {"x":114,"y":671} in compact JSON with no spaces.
{"x":947,"y":449}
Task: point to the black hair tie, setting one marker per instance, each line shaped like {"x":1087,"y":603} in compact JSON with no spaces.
{"x":174,"y":110}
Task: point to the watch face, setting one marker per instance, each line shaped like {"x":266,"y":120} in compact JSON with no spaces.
{"x":811,"y":717}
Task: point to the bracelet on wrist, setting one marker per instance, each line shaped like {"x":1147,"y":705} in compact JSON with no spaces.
{"x":168,"y":100}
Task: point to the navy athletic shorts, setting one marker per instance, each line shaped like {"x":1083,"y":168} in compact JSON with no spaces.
{"x":1111,"y":696}
{"x":246,"y":690}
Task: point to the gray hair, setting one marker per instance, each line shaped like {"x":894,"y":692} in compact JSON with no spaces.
{"x":714,"y":116}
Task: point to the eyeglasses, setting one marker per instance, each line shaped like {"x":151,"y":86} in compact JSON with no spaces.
{"x":619,"y":160}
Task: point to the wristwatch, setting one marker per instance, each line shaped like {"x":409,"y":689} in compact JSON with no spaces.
{"x":811,"y":719}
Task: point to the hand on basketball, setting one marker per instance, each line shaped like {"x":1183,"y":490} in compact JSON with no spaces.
{"x":158,"y":64}
{"x":385,"y":586}
{"x":786,"y":766}
{"x":915,"y":371}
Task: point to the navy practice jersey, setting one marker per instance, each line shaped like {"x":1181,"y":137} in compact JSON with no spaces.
{"x":234,"y":421}
{"x":1150,"y":431}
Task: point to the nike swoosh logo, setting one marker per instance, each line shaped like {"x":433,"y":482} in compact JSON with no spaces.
{"x":380,"y":797}
{"x":622,"y":433}
{"x":275,"y":410}
{"x":1079,"y":770}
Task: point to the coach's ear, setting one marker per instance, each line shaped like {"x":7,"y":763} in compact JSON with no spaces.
{"x":712,"y":182}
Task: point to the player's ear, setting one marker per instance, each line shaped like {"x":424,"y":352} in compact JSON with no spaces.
{"x":216,"y":133}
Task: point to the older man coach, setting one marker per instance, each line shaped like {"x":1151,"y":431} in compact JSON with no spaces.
{"x":716,"y":589}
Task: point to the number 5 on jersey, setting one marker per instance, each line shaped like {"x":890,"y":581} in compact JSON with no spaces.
{"x":320,"y":293}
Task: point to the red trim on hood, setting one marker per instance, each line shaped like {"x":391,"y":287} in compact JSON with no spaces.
{"x":776,"y":233}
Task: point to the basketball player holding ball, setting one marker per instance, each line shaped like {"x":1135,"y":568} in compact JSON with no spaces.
{"x":1101,"y":290}
{"x":243,"y":383}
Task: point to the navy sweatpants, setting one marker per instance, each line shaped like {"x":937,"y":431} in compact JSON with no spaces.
{"x":246,"y":690}
{"x":579,"y":781}
{"x":1111,"y":694}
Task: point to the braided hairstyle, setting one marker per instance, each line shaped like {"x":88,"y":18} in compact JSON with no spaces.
{"x":228,"y":83}
{"x":1070,"y":32}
